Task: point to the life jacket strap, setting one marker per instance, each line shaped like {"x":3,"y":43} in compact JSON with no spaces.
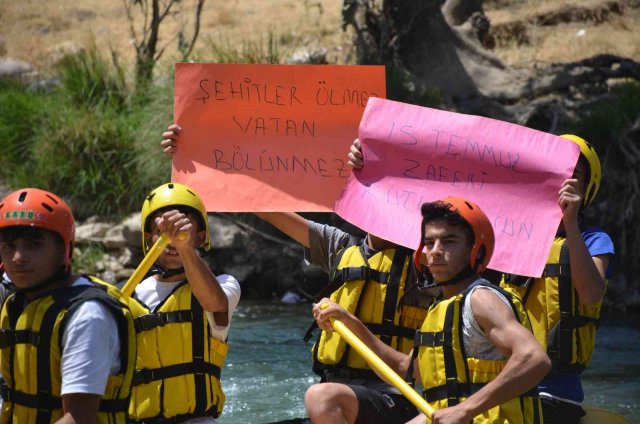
{"x":9,"y":338}
{"x":428,"y":339}
{"x":159,"y":319}
{"x":145,"y":376}
{"x":45,"y":401}
{"x":363,"y":273}
{"x":178,"y":419}
{"x":435,"y":394}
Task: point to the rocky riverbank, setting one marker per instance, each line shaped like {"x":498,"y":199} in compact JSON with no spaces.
{"x":266,"y":263}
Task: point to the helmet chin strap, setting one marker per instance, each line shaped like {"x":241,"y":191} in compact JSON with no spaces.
{"x":163,"y":272}
{"x":168,"y":273}
{"x":464,"y":274}
{"x":427,"y":281}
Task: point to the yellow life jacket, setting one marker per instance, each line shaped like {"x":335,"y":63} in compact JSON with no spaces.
{"x":563,"y":326}
{"x":449,"y":375}
{"x":30,"y":343}
{"x":372,"y":289}
{"x":177,"y":374}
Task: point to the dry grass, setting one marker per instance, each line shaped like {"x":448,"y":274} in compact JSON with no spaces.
{"x":571,"y":41}
{"x":34,"y":29}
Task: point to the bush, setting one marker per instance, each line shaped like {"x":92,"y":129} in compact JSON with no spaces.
{"x":84,"y":140}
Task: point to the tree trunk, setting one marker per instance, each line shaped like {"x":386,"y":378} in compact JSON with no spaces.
{"x":425,"y":53}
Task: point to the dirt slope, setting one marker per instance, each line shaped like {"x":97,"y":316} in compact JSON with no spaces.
{"x":34,"y":30}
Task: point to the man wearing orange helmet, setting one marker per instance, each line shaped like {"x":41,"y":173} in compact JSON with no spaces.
{"x":475,"y":354}
{"x":67,"y":342}
{"x":564,"y":304}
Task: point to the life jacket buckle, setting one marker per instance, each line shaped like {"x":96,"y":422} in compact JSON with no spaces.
{"x":148,"y":375}
{"x":6,"y":392}
{"x":7,"y":339}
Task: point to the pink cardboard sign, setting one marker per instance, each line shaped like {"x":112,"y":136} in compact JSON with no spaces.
{"x":269,"y":137}
{"x":415,"y":154}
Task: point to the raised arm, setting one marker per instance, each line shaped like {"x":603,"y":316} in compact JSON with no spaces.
{"x":587,"y":272}
{"x":289,"y":223}
{"x":184,"y":237}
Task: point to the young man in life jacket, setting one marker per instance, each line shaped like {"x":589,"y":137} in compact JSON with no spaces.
{"x":373,"y":278}
{"x":474,"y":355}
{"x":564,"y":304}
{"x":67,"y":341}
{"x":183,"y":331}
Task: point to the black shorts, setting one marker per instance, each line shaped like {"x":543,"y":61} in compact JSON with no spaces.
{"x":375,"y":407}
{"x":555,"y":411}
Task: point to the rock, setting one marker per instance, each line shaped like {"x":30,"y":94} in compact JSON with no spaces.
{"x":311,"y":57}
{"x":3,"y":46}
{"x":131,"y":230}
{"x":114,"y":238}
{"x":45,"y":86}
{"x":91,"y":232}
{"x":128,"y":259}
{"x":13,"y":68}
{"x":225,"y":234}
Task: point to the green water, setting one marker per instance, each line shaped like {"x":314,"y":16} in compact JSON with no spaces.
{"x":269,"y":368}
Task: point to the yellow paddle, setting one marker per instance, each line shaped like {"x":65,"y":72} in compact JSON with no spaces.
{"x":380,"y":366}
{"x":149,"y":259}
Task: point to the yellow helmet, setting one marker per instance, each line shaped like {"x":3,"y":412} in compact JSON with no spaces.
{"x":595,"y":171}
{"x":173,"y":194}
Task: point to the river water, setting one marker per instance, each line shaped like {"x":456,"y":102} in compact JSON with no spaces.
{"x":269,"y":366}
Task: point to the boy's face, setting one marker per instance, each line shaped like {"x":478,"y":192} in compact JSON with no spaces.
{"x":31,"y":257}
{"x":169,"y":258}
{"x":448,"y":249}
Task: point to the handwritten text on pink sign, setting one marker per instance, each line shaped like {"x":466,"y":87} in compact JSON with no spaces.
{"x":415,"y":155}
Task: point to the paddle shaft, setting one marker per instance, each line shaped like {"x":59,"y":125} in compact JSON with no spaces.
{"x":146,"y":263}
{"x":380,"y":366}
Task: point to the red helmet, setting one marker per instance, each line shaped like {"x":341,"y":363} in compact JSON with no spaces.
{"x":483,"y":236}
{"x":32,"y":207}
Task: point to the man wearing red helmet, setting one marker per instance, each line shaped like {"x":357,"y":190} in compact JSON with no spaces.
{"x":67,"y":342}
{"x":475,"y":354}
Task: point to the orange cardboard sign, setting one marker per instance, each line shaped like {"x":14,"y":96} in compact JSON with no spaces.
{"x":269,"y":137}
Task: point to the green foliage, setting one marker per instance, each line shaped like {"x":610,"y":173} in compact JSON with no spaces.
{"x":92,"y":81}
{"x":269,"y":52}
{"x":85,"y":259}
{"x":610,"y":116}
{"x":21,"y":115}
{"x":89,"y":140}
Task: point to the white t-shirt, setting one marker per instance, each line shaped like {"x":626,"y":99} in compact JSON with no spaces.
{"x":152,"y":292}
{"x":90,"y":348}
